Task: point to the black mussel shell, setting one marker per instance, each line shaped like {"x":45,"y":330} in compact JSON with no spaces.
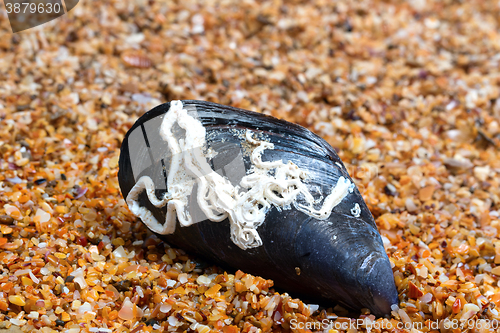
{"x":340,"y":259}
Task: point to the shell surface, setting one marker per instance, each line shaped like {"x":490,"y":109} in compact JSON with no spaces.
{"x":259,"y":194}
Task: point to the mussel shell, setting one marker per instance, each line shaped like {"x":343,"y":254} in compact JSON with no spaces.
{"x":337,"y":260}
